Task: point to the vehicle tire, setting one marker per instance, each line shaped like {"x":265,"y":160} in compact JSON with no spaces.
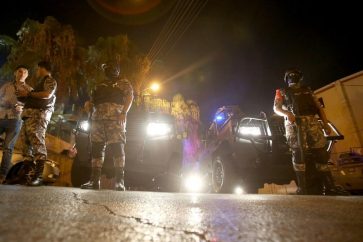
{"x":80,"y":173}
{"x":223,"y":175}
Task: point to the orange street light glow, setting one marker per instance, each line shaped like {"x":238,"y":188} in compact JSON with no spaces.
{"x":155,"y":87}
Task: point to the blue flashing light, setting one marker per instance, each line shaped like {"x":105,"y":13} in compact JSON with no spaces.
{"x":219,"y":118}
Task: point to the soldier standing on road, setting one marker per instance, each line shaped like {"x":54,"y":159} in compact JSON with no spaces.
{"x":10,"y":115}
{"x":38,"y":109}
{"x":301,"y":109}
{"x":111,"y":100}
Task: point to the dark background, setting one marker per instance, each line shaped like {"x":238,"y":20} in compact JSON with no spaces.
{"x":244,"y":47}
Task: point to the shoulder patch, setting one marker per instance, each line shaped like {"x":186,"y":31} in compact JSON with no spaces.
{"x":278,"y":94}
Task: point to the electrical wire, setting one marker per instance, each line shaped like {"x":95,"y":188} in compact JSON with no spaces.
{"x":180,"y":20}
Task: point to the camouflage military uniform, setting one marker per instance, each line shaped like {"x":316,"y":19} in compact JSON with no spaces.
{"x":106,"y":129}
{"x":35,"y":124}
{"x":32,"y":135}
{"x":313,"y":140}
{"x":111,"y":100}
{"x":301,"y":109}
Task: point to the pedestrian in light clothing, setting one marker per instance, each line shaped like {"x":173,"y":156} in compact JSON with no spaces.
{"x":111,"y":100}
{"x":38,"y":110}
{"x":10,"y":115}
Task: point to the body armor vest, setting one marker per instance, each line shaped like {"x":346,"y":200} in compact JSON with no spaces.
{"x":300,"y":101}
{"x":38,"y":103}
{"x":108,"y":93}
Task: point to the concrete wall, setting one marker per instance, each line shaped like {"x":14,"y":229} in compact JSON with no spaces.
{"x":343,"y":101}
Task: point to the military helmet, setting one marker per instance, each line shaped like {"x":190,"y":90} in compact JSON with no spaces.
{"x":293,"y":75}
{"x":111,"y":69}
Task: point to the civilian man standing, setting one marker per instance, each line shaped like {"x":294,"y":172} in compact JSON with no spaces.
{"x":10,"y":112}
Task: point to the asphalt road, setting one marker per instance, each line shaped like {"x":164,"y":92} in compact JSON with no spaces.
{"x":72,"y":214}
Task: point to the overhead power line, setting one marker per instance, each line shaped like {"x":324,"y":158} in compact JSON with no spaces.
{"x":192,"y":16}
{"x":173,"y":27}
{"x":166,"y":27}
{"x":183,"y":15}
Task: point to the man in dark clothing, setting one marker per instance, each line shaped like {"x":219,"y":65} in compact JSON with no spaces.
{"x":305,"y":135}
{"x":38,"y":109}
{"x":110,"y":101}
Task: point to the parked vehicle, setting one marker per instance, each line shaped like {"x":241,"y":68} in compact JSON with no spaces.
{"x":153,"y":152}
{"x":245,"y":152}
{"x":348,"y":172}
{"x":343,"y":104}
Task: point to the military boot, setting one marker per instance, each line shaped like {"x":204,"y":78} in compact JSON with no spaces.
{"x":119,"y":175}
{"x":95,"y":180}
{"x":38,"y":174}
{"x":301,"y":183}
{"x":314,"y":182}
{"x":329,"y":186}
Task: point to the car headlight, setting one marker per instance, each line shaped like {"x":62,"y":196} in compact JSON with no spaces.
{"x":239,"y":190}
{"x":84,"y":126}
{"x":194,"y":183}
{"x":255,"y":131}
{"x":158,"y":129}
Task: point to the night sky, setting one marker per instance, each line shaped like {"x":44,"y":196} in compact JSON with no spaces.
{"x":242,"y":47}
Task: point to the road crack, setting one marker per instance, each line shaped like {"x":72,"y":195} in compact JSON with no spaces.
{"x":201,"y":236}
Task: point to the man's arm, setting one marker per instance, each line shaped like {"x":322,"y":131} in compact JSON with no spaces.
{"x":4,"y":96}
{"x":128,"y":102}
{"x":322,"y":115}
{"x":279,"y":110}
{"x":50,"y":86}
{"x":41,"y":95}
{"x":2,"y":91}
{"x":129,"y":96}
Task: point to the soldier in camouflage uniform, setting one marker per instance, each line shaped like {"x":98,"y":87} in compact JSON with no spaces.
{"x":301,"y":110}
{"x":10,"y":115}
{"x":111,"y":100}
{"x":38,"y":109}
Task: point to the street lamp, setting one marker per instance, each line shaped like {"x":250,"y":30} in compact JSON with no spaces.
{"x":155,"y":87}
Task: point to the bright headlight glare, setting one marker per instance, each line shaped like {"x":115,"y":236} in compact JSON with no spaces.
{"x":158,"y":129}
{"x":84,"y":125}
{"x":193,"y":183}
{"x":249,"y":131}
{"x":238,"y":190}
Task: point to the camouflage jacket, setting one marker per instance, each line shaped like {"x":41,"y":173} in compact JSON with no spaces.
{"x":112,"y":111}
{"x":50,"y":84}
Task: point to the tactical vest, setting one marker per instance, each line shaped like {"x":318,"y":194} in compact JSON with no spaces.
{"x":300,"y":101}
{"x":108,"y":93}
{"x":38,"y":103}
